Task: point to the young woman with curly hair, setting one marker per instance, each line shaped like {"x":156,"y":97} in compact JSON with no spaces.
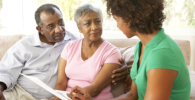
{"x":159,"y":71}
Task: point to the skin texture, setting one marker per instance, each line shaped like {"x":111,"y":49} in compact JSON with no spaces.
{"x":91,"y":27}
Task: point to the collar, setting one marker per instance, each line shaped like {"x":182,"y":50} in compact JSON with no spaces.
{"x":37,"y":42}
{"x":157,"y":38}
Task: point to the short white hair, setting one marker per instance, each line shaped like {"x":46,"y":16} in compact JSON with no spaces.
{"x":86,"y":9}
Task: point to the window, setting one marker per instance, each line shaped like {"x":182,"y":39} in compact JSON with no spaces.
{"x":11,"y":13}
{"x":19,"y":14}
{"x":180,"y":14}
{"x":69,"y":6}
{"x":1,"y":6}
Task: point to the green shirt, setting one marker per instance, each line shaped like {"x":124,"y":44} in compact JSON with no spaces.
{"x":162,"y":52}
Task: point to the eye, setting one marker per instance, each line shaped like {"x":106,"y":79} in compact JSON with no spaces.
{"x":98,"y":21}
{"x":86,"y":24}
{"x":50,"y":26}
{"x":61,"y":22}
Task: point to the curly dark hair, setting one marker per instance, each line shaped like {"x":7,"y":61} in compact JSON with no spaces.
{"x":144,"y":16}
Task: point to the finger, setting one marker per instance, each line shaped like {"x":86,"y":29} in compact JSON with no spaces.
{"x":124,"y":73}
{"x":119,"y":70}
{"x":118,"y":80}
{"x":77,"y":89}
{"x":78,"y":96}
{"x":74,"y":98}
{"x":121,"y":61}
{"x":69,"y":95}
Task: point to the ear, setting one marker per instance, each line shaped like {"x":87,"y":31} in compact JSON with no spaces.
{"x":39,"y":29}
{"x":79,"y":29}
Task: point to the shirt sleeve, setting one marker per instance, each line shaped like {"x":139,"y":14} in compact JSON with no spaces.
{"x":10,"y":67}
{"x":113,"y":56}
{"x":163,"y":58}
{"x":65,"y":51}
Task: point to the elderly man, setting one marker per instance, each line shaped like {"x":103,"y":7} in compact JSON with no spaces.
{"x":38,"y":56}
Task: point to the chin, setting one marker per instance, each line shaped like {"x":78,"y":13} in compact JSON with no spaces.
{"x":128,"y":35}
{"x":95,"y":38}
{"x":59,"y":40}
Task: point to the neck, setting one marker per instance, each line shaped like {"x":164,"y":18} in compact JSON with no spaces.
{"x":146,"y":38}
{"x":44,"y":39}
{"x":91,"y":44}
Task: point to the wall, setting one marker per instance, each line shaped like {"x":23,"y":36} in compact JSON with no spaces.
{"x":191,"y":38}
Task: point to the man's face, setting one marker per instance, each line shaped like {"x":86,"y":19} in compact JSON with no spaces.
{"x":53,"y":27}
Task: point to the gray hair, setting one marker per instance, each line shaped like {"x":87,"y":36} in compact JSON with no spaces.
{"x":47,"y":8}
{"x":86,"y":9}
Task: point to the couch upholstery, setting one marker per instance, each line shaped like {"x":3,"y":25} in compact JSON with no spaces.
{"x":123,"y":44}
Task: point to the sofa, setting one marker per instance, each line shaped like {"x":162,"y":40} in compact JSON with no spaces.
{"x":126,"y":46}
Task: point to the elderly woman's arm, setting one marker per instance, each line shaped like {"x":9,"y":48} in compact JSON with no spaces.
{"x":102,"y":80}
{"x":120,"y":74}
{"x":62,"y":78}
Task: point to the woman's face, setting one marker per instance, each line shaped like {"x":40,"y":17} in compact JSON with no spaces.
{"x":91,"y":26}
{"x":123,"y":26}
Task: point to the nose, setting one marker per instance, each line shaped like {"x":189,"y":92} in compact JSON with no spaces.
{"x":93,"y":26}
{"x":58,"y":29}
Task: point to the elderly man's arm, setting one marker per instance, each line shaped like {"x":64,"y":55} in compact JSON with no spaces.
{"x":10,"y":68}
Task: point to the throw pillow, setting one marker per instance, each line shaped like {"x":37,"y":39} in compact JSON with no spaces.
{"x":127,"y":54}
{"x":192,"y":79}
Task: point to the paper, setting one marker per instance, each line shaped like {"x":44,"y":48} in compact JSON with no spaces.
{"x":60,"y":94}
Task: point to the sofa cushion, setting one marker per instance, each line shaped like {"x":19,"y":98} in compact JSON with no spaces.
{"x":192,"y":79}
{"x":127,"y":54}
{"x":7,"y":41}
{"x":183,"y":44}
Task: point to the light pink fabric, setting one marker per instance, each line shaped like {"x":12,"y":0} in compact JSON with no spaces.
{"x":82,"y":73}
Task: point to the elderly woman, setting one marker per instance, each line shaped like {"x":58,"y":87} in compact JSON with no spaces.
{"x":159,"y":71}
{"x":88,"y":62}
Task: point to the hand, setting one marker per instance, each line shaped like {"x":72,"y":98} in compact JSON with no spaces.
{"x":2,"y":88}
{"x":69,"y":95}
{"x":121,"y":73}
{"x":80,"y":94}
{"x":1,"y":96}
